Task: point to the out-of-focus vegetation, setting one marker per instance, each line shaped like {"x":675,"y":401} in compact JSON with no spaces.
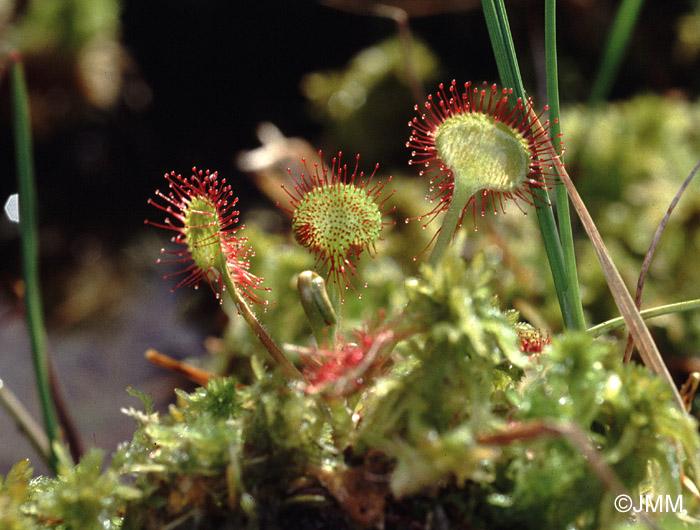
{"x":78,"y":46}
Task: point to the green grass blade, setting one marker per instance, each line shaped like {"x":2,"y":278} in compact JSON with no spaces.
{"x":502,"y":43}
{"x":615,"y":323}
{"x":615,"y":48}
{"x":562,"y":198}
{"x":506,"y":59}
{"x":30,"y":247}
{"x":646,"y":346}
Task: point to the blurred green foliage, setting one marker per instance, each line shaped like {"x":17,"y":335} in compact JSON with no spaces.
{"x":628,"y":161}
{"x":358,"y":103}
{"x":14,"y":492}
{"x":73,"y":51}
{"x":66,"y":25}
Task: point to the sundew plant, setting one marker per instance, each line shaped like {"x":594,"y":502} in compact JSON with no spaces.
{"x":379,"y":366}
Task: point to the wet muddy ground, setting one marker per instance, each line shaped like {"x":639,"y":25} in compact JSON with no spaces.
{"x":98,"y":351}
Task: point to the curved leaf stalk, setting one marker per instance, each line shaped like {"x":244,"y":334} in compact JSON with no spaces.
{"x":288,"y":369}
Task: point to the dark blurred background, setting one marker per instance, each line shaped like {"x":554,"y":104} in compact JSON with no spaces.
{"x":122,"y":92}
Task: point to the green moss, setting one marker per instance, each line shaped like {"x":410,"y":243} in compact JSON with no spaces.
{"x":266,"y":454}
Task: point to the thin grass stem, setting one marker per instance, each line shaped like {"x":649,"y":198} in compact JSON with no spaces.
{"x":562,"y":199}
{"x":619,"y":322}
{"x":26,"y":423}
{"x":652,"y":249}
{"x":509,"y":71}
{"x":640,"y":333}
{"x":30,"y":250}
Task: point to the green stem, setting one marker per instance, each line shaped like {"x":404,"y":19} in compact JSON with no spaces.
{"x":562,"y":198}
{"x":615,"y":48}
{"x":30,"y":250}
{"x":288,"y":369}
{"x":458,"y":202}
{"x":615,"y":323}
{"x":506,"y":59}
{"x":335,"y":296}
